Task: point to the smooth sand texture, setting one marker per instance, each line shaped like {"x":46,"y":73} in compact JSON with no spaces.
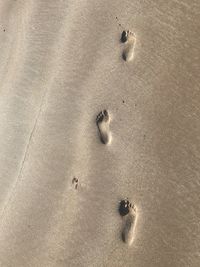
{"x":61,"y":64}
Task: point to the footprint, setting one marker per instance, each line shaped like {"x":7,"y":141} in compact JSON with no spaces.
{"x":129,"y":39}
{"x":103,"y":124}
{"x":128,"y":211}
{"x":75,"y":182}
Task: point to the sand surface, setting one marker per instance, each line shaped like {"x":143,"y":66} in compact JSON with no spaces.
{"x":61,"y":64}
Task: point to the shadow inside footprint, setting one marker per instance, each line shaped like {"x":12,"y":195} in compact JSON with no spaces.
{"x":124,"y":56}
{"x":124,"y":207}
{"x":124,"y":37}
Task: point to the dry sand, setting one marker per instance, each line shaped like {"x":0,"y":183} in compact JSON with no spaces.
{"x":60,"y":187}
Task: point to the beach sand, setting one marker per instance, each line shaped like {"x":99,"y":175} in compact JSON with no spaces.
{"x":61,"y":65}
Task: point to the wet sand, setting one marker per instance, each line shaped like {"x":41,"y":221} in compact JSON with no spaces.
{"x":61,"y":65}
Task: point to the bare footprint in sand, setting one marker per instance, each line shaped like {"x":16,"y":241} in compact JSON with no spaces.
{"x":103,"y":124}
{"x":75,"y":182}
{"x":128,"y":211}
{"x":129,"y":39}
